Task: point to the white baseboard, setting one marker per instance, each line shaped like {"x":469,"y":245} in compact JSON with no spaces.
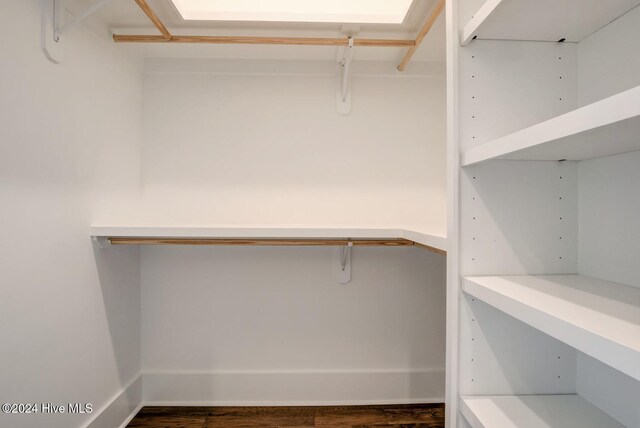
{"x":132,"y":415}
{"x":293,"y":388}
{"x":119,"y":411}
{"x":269,"y":389}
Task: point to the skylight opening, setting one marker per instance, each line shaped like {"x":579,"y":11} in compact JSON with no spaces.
{"x":328,"y":11}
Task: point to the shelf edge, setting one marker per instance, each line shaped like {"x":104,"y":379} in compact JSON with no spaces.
{"x":607,"y":112}
{"x":574,"y":335}
{"x":468,"y":32}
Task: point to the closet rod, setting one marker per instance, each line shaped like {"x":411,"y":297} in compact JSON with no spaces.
{"x":260,"y":241}
{"x":248,"y":40}
{"x":430,"y":248}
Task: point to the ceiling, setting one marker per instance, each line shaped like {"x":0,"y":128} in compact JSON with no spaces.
{"x":125,"y":17}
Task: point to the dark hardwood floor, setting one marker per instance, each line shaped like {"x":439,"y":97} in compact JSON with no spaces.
{"x":405,"y":416}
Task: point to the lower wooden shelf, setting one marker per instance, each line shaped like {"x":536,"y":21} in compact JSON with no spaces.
{"x":534,"y":411}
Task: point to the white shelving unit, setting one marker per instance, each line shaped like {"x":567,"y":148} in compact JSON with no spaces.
{"x":545,"y":303}
{"x":534,"y":411}
{"x":543,"y":20}
{"x":604,"y":128}
{"x":599,"y":318}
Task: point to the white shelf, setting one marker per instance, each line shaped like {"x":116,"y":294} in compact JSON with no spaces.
{"x":534,"y":411}
{"x":543,"y":20}
{"x":269,"y":232}
{"x":599,"y":318}
{"x":604,"y":128}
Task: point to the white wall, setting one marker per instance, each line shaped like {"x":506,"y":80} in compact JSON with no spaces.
{"x":611,"y":53}
{"x":69,"y":153}
{"x":609,"y":231}
{"x":253,"y":147}
{"x":609,"y":205}
{"x":610,"y":390}
{"x":243,"y":142}
{"x":271,"y":325}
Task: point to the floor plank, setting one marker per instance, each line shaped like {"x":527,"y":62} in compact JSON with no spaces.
{"x":431,"y":416}
{"x":168,"y":421}
{"x":261,"y":417}
{"x":398,"y":416}
{"x":336,"y":416}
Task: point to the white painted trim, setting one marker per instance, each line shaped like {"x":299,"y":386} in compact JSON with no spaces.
{"x":109,"y":415}
{"x":453,"y":217}
{"x":132,"y":415}
{"x":300,"y":388}
{"x":435,"y":241}
{"x":102,"y":418}
{"x":292,"y":403}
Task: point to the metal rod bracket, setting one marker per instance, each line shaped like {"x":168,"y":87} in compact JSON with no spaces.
{"x":101,"y":242}
{"x":343,"y":263}
{"x":344,"y":78}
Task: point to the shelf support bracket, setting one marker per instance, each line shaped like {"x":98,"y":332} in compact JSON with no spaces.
{"x":343,"y":263}
{"x":102,"y":242}
{"x":52,"y":29}
{"x":344,"y":94}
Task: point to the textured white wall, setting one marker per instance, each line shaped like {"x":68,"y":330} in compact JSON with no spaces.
{"x":609,"y":389}
{"x":610,"y":53}
{"x":69,"y":153}
{"x":609,"y":205}
{"x":279,"y":311}
{"x":228,"y":148}
{"x":271,"y":325}
{"x":609,"y":231}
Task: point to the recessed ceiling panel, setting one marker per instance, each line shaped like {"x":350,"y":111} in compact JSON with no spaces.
{"x":338,"y":11}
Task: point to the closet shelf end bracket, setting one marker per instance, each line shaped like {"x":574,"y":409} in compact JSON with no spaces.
{"x":344,"y":79}
{"x":52,"y":27}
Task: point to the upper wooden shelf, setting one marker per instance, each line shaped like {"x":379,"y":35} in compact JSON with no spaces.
{"x":543,"y":20}
{"x":599,"y":318}
{"x":268,"y":235}
{"x":604,"y":128}
{"x":534,"y":411}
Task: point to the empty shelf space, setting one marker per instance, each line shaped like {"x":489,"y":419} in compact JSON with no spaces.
{"x":543,"y":20}
{"x":604,"y":128}
{"x":268,"y":235}
{"x":599,"y":318}
{"x":534,"y":411}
